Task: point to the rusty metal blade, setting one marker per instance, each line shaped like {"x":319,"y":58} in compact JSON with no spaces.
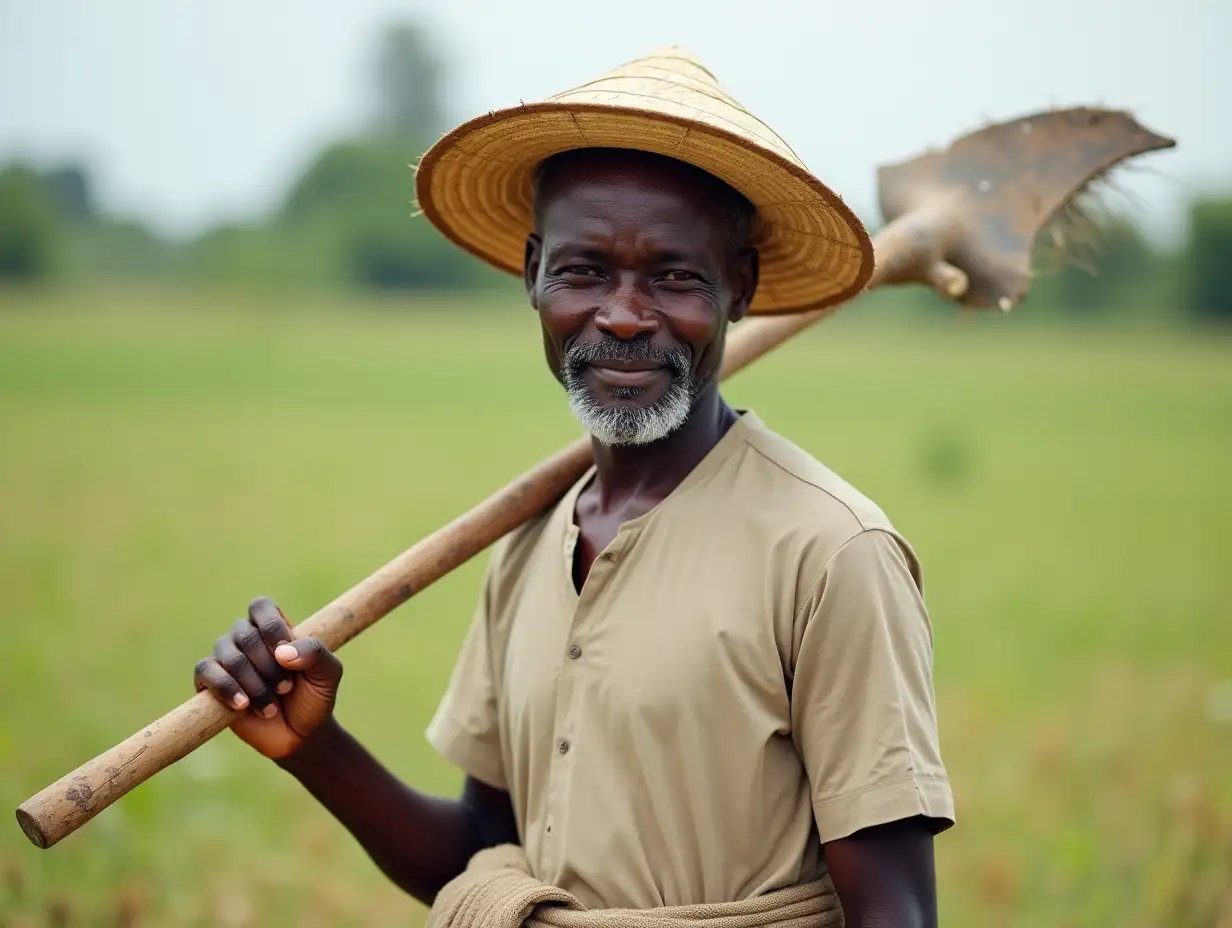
{"x":980,"y":203}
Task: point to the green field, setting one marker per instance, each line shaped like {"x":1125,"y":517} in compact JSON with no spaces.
{"x":164,"y":457}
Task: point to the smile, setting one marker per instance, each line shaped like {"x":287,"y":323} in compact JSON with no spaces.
{"x":626,"y":374}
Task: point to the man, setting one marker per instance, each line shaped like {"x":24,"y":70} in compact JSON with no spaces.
{"x":704,"y":675}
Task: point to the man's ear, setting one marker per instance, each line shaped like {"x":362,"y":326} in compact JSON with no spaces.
{"x":530,"y":267}
{"x":746,"y":269}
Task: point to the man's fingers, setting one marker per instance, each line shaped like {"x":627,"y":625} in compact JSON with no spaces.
{"x":260,"y":655}
{"x":317,"y":663}
{"x":210,"y":675}
{"x":274,"y":630}
{"x":236,"y":663}
{"x":269,"y":621}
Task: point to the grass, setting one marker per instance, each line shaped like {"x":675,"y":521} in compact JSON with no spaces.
{"x":164,"y":457}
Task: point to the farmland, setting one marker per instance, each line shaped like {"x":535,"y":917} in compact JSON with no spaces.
{"x":166,"y":456}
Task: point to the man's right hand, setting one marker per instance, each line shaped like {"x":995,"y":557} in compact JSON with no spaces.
{"x":287,"y":686}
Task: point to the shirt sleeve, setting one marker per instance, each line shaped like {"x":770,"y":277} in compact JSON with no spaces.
{"x":466,"y":726}
{"x":863,"y":708}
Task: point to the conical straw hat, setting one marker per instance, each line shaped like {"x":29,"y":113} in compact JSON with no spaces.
{"x":474,"y":184}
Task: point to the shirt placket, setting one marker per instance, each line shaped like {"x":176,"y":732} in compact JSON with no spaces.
{"x":568,"y":730}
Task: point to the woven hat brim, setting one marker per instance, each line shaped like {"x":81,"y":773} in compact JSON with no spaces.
{"x":474,"y":185}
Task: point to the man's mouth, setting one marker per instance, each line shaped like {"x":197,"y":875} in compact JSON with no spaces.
{"x":619,"y":373}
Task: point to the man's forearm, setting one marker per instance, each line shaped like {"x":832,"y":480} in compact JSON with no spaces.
{"x":884,"y":876}
{"x":420,"y":842}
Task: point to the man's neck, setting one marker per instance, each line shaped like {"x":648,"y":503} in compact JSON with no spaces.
{"x":649,"y":473}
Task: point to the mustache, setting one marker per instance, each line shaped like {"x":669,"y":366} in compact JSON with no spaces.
{"x":581,"y":354}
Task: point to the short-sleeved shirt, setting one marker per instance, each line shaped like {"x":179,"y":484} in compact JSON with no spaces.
{"x":745,"y":675}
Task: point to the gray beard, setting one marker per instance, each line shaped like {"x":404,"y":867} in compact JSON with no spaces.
{"x":619,"y":425}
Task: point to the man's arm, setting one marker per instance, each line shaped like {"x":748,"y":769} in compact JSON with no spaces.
{"x":289,"y":688}
{"x":864,"y":720}
{"x":420,"y":842}
{"x":884,"y":875}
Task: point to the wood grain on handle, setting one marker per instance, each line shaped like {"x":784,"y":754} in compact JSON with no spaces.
{"x":904,"y":252}
{"x":61,"y":808}
{"x":64,"y":806}
{"x":75,"y":798}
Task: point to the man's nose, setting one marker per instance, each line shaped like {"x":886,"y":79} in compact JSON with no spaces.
{"x":626,"y":316}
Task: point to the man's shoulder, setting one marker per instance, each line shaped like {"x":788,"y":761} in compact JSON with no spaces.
{"x":806,"y":511}
{"x":807,"y":488}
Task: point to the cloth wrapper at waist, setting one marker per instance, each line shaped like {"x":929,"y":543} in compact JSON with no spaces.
{"x":497,"y":890}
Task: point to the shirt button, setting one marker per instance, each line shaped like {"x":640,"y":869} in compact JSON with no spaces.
{"x":575,"y":652}
{"x":563,"y":745}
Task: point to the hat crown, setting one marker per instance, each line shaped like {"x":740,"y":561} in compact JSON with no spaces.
{"x":674,"y":82}
{"x":670,"y":62}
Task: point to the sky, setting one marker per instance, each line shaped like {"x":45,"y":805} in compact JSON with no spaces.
{"x":193,"y":113}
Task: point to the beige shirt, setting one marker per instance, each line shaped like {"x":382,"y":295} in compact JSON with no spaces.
{"x":746,"y":674}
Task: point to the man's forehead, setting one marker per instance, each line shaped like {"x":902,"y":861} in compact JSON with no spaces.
{"x":622,"y":193}
{"x":596,"y":196}
{"x":601,"y":213}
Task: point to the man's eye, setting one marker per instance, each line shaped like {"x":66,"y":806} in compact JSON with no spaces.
{"x":581,"y":270}
{"x":679,"y":275}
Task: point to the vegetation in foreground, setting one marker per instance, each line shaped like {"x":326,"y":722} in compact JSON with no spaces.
{"x":168,"y":456}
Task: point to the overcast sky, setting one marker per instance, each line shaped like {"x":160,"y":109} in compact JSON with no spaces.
{"x":191,"y":112}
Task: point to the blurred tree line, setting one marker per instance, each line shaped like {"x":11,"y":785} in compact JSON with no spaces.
{"x":346,"y":220}
{"x":1114,"y":269}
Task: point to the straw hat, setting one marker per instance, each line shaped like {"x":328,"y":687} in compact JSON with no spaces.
{"x":474,"y":184}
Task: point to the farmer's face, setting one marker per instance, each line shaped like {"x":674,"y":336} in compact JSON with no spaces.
{"x":635,"y":277}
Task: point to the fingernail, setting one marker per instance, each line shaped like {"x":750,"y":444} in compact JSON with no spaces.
{"x":283,"y":687}
{"x":240,"y":701}
{"x":269,"y":711}
{"x":286,"y":652}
